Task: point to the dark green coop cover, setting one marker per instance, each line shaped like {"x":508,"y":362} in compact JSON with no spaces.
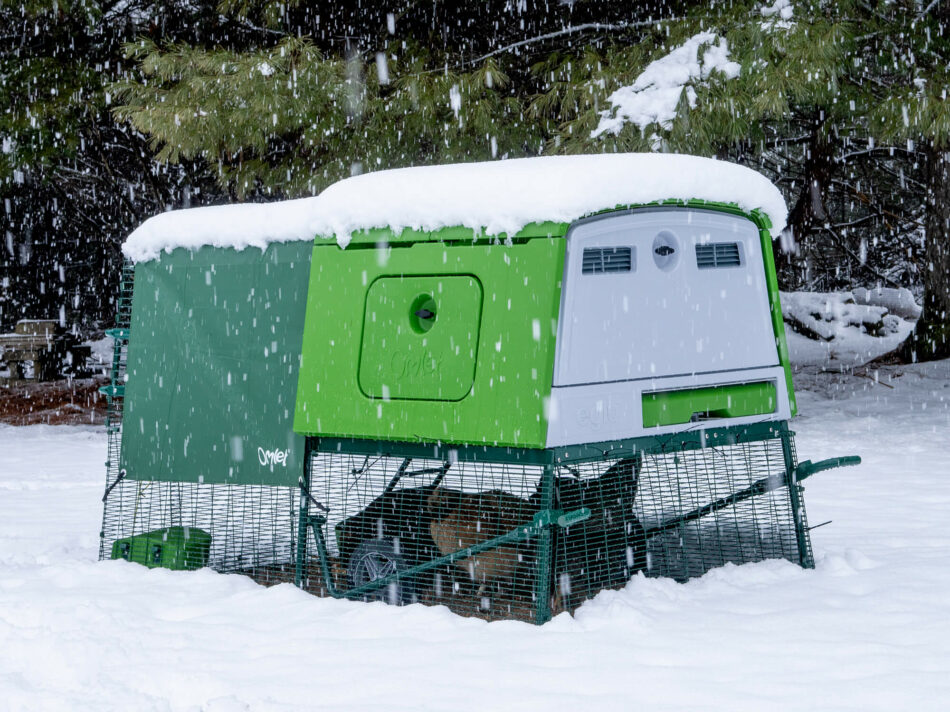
{"x":212,"y":364}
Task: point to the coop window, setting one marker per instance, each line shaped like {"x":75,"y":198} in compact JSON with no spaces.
{"x":718,"y":254}
{"x":598,"y":260}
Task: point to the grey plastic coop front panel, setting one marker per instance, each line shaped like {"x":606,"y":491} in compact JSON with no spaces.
{"x":658,"y":299}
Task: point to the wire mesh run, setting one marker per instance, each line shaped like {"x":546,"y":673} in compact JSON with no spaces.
{"x":115,"y":400}
{"x":252,"y":528}
{"x":675,"y":514}
{"x":471,"y":535}
{"x":388,"y":515}
{"x":496,"y":540}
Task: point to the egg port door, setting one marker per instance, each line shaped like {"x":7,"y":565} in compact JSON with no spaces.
{"x":420,"y":337}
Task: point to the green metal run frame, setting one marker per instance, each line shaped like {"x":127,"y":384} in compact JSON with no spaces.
{"x":115,"y":390}
{"x":693,"y":439}
{"x":541,"y":526}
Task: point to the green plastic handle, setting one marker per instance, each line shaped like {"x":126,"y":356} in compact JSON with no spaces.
{"x":569,"y":518}
{"x":809,"y":468}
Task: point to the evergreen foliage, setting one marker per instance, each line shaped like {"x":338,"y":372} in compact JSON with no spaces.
{"x":73,"y":181}
{"x":287,"y":121}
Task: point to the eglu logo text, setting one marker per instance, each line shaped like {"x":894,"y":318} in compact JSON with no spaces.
{"x":272,"y":457}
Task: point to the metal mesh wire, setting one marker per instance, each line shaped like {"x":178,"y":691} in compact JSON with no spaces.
{"x":123,"y":310}
{"x":252,"y":527}
{"x":761,"y":526}
{"x":674,"y":515}
{"x":388,"y":514}
{"x":115,"y":393}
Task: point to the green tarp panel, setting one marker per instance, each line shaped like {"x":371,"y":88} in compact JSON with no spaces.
{"x":212,"y":363}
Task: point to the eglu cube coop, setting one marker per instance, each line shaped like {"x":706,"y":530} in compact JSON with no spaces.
{"x":501,"y":387}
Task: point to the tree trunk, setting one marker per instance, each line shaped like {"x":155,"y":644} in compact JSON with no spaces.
{"x":808,"y":213}
{"x":930,"y":339}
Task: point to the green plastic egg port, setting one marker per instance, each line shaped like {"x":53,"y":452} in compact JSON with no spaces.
{"x":422,"y":313}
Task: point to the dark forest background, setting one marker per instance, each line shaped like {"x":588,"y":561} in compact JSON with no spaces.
{"x":113,"y":111}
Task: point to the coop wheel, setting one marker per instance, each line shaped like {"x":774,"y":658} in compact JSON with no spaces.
{"x":375,"y":559}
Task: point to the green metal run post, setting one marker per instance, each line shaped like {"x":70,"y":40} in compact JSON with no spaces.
{"x":304,"y":515}
{"x":542,"y":584}
{"x":805,"y":558}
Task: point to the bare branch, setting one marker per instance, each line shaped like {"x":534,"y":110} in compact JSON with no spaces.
{"x":927,"y":9}
{"x":863,"y":263}
{"x":248,"y":25}
{"x":871,"y":151}
{"x":859,"y":221}
{"x":567,"y":31}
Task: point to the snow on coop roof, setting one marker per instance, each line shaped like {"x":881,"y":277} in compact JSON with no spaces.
{"x":495,"y":197}
{"x":237,"y":226}
{"x":505,"y":196}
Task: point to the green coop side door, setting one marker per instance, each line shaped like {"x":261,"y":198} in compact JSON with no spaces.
{"x":420,"y":337}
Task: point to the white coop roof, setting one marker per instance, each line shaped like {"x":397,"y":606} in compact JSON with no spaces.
{"x":495,"y":197}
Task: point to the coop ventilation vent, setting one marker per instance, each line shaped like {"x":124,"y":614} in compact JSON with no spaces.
{"x":598,"y":260}
{"x":718,"y":254}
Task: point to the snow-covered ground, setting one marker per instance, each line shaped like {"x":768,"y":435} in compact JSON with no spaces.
{"x":869,"y":629}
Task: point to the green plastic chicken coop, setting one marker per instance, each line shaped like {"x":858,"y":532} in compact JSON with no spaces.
{"x":499,"y":387}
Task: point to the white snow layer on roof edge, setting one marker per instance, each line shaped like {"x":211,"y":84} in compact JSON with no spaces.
{"x":494,"y":197}
{"x":238,"y":226}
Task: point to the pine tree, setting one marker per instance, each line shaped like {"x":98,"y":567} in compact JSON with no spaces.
{"x":287,"y":121}
{"x":913,"y":62}
{"x":798,"y":110}
{"x":72,"y":181}
{"x":358,"y":88}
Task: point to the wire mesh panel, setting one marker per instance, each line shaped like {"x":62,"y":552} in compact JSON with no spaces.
{"x":606,"y":549}
{"x":675,"y":514}
{"x":252,"y":528}
{"x":115,"y":401}
{"x":704,"y":508}
{"x":462,"y":522}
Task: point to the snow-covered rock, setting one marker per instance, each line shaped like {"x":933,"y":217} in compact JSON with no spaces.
{"x":834,"y":330}
{"x":899,"y":302}
{"x":828,"y":315}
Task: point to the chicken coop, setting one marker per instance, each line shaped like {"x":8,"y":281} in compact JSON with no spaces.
{"x":499,"y":387}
